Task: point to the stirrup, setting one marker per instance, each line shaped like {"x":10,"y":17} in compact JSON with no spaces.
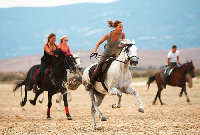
{"x":88,"y":87}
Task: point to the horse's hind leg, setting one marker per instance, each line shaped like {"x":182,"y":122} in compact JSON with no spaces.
{"x":94,"y":108}
{"x":154,"y":102}
{"x":23,"y":102}
{"x":99,"y":99}
{"x":131,"y":91}
{"x":33,"y":102}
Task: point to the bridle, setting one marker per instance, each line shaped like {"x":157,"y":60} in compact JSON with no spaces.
{"x":126,"y":49}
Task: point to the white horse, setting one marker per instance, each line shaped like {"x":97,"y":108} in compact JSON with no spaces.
{"x":73,"y":82}
{"x":117,"y":80}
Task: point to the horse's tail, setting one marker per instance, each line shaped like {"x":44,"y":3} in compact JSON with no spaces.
{"x":151,"y":79}
{"x":18,"y":85}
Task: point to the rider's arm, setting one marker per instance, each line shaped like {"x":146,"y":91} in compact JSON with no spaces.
{"x":100,"y":42}
{"x":169,"y":63}
{"x":46,"y":48}
{"x":178,"y":60}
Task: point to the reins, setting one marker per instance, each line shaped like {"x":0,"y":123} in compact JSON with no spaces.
{"x":99,"y":56}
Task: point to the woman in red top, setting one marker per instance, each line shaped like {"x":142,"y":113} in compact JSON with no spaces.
{"x":63,"y":44}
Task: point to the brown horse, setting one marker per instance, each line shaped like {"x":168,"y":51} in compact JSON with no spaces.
{"x":177,"y":78}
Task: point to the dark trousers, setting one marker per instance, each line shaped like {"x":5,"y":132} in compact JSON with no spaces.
{"x":43,"y":66}
{"x":94,"y":76}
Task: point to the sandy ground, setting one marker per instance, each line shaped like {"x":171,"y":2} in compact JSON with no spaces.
{"x":176,"y":117}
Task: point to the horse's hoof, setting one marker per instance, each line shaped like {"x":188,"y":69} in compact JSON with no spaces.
{"x":141,"y":110}
{"x":22,"y":103}
{"x":48,"y":116}
{"x":103,"y":119}
{"x":113,"y":105}
{"x":57,"y":101}
{"x":32,"y":102}
{"x":180,"y":95}
{"x":40,"y":101}
{"x":154,"y":102}
{"x":69,"y":117}
{"x":97,"y":128}
{"x":188,"y":100}
{"x":163,"y":104}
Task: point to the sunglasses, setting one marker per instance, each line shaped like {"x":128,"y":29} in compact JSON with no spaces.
{"x":66,"y":40}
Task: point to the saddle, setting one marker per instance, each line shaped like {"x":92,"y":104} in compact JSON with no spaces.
{"x":168,"y":71}
{"x":102,"y":71}
{"x":44,"y":73}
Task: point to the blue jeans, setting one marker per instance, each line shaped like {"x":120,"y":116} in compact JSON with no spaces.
{"x":43,"y":66}
{"x":174,"y":64}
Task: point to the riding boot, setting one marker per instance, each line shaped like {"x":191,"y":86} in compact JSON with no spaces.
{"x":164,"y":84}
{"x":93,"y":79}
{"x":36,"y":82}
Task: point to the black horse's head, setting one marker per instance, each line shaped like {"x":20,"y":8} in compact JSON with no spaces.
{"x":67,"y":59}
{"x":190,"y":69}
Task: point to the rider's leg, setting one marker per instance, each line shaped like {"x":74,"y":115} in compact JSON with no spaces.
{"x":39,"y":76}
{"x":95,"y":73}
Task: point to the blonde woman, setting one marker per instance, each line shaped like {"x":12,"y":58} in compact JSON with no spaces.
{"x":63,"y":44}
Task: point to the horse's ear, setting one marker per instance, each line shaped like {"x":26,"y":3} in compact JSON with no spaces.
{"x":187,"y":62}
{"x":78,"y":53}
{"x":191,"y":62}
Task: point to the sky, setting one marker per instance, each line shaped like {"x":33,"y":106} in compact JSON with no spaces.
{"x":153,"y":24}
{"x":46,"y":3}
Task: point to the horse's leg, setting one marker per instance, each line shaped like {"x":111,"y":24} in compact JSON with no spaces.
{"x":131,"y":91}
{"x":115,"y":91}
{"x":58,"y":100}
{"x":23,"y":102}
{"x":33,"y":102}
{"x":69,"y":96}
{"x":41,"y":98}
{"x":154,"y":102}
{"x":181,"y":93}
{"x":99,"y":99}
{"x":94,"y":108}
{"x":49,"y":104}
{"x":66,"y":106}
{"x":184,"y":89}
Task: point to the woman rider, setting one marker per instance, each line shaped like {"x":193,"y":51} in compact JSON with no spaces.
{"x":48,"y":58}
{"x":110,"y":48}
{"x":63,"y":44}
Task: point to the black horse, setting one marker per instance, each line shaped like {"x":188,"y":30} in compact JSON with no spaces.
{"x":53,"y":82}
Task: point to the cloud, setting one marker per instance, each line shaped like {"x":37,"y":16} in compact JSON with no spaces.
{"x":46,"y":3}
{"x":94,"y":32}
{"x":147,"y":38}
{"x":168,"y":37}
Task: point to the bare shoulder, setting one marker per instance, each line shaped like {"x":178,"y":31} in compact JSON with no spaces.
{"x":58,"y":45}
{"x":123,"y":35}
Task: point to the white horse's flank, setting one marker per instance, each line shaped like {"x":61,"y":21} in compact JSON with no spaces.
{"x":69,"y":75}
{"x":117,"y":81}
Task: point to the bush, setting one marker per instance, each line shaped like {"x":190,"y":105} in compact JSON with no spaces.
{"x":12,"y":76}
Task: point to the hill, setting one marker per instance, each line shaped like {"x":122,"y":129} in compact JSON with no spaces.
{"x":147,"y":59}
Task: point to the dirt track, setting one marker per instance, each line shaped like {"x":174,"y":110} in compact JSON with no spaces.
{"x":176,"y":117}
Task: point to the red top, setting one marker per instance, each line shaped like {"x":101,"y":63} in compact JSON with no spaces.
{"x":66,"y":50}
